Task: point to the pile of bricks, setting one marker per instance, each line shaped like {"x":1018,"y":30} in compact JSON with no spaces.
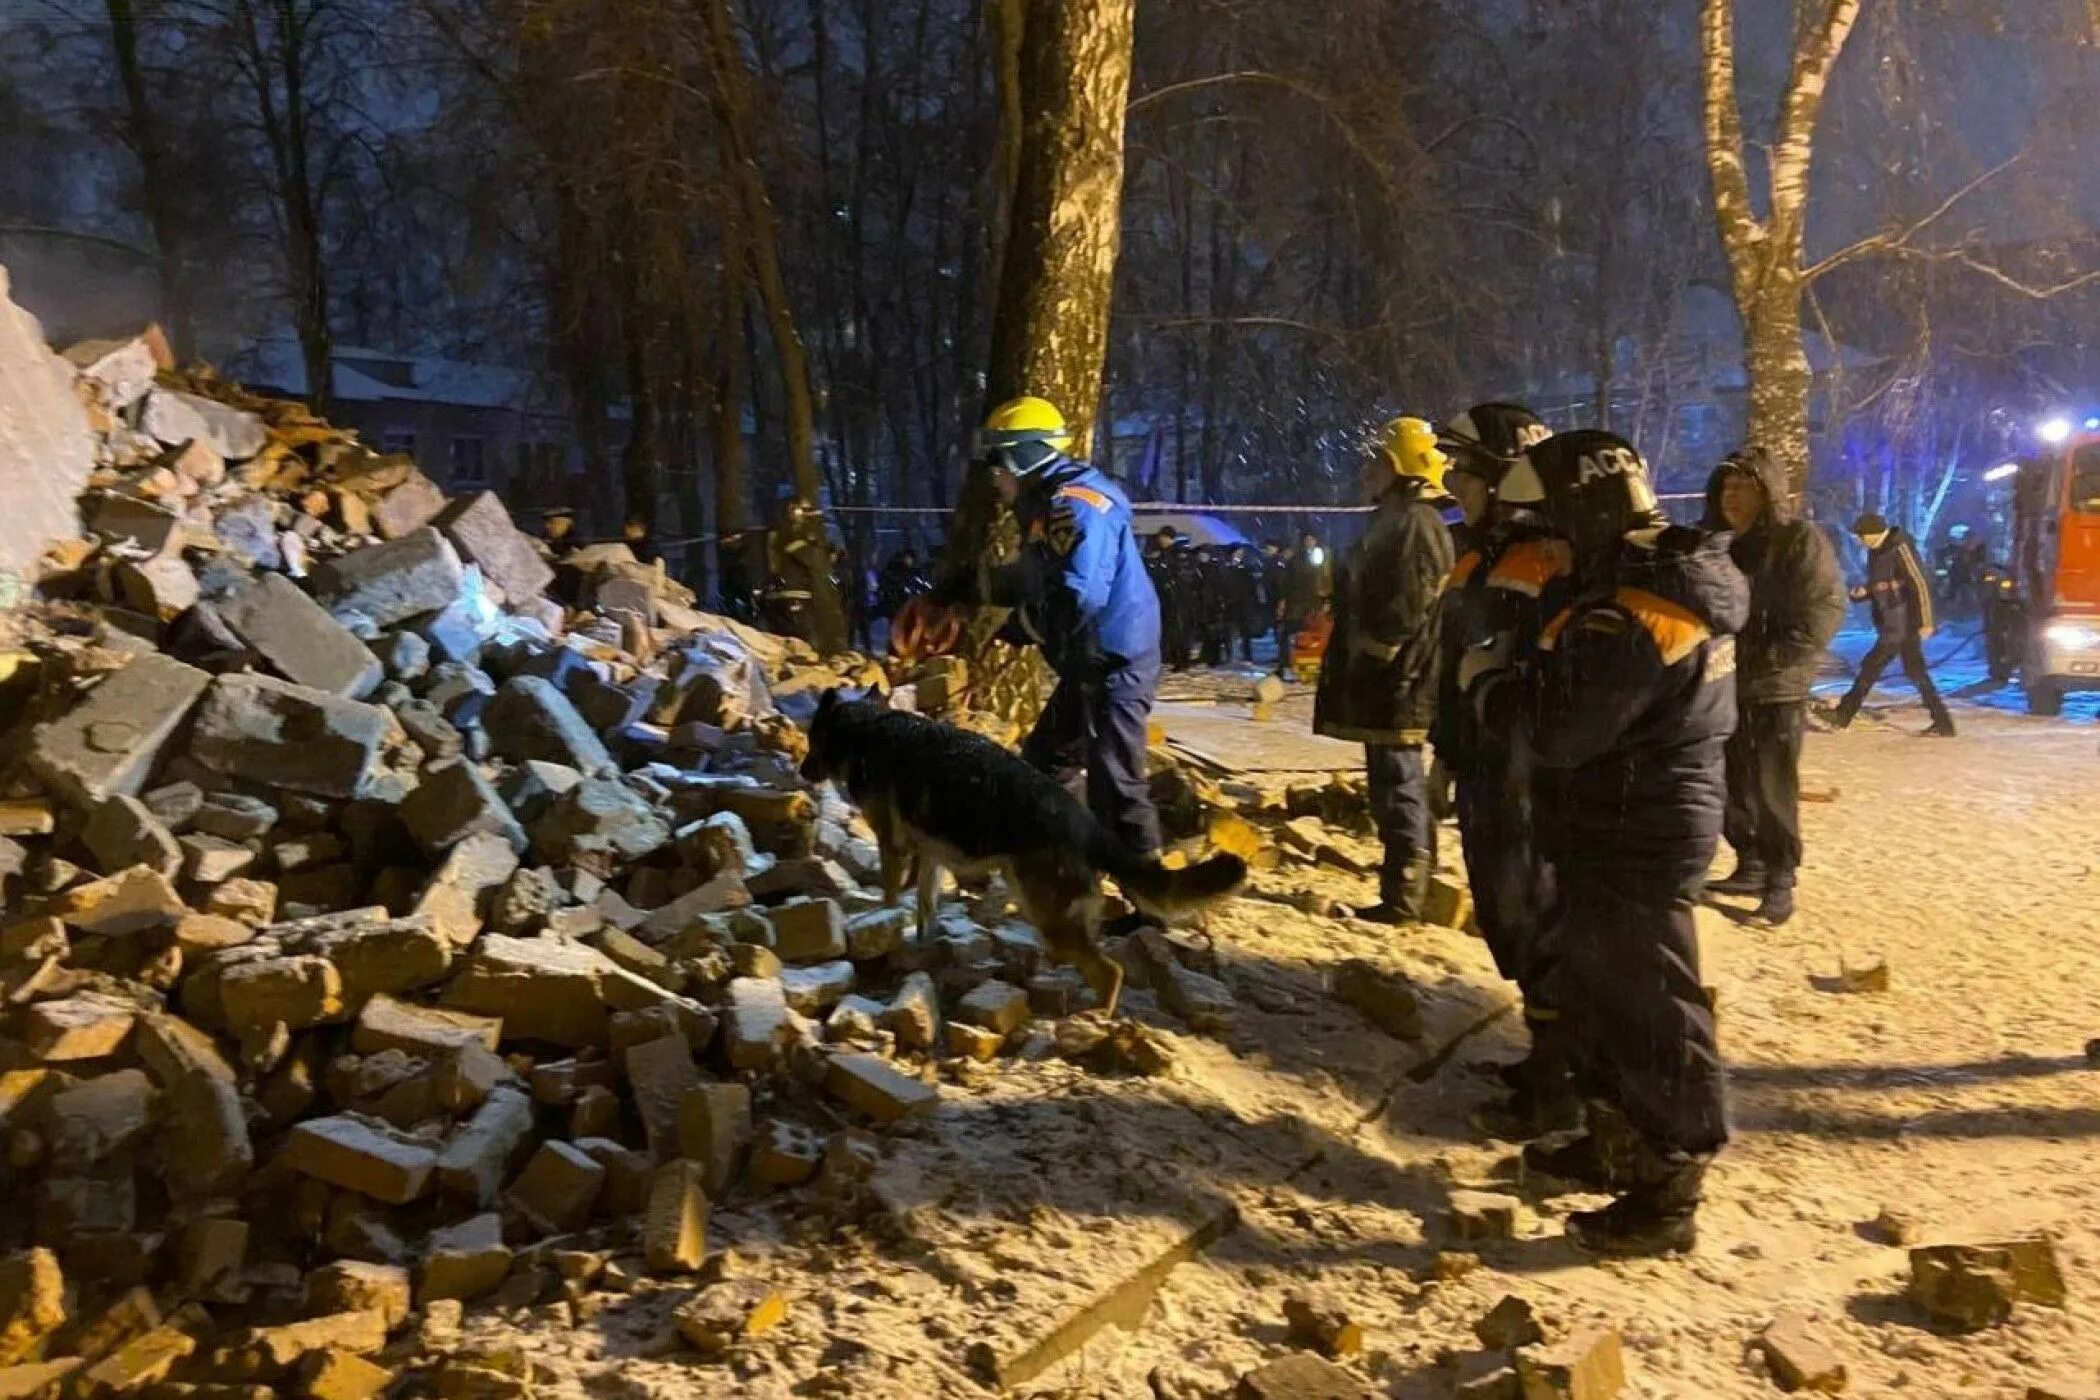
{"x":396,"y":919}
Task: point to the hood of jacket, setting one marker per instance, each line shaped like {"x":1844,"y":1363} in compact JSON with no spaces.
{"x":1771,"y":476}
{"x":1691,"y":568}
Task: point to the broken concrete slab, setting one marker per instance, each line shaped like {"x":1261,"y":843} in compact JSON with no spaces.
{"x":281,"y":735}
{"x":477,"y":1159}
{"x":388,"y":1024}
{"x":123,"y":832}
{"x":108,"y":745}
{"x":452,"y":801}
{"x":481,"y":529}
{"x":531,"y":719}
{"x":174,"y":418}
{"x":600,"y":824}
{"x":296,"y":637}
{"x":130,"y":901}
{"x":382,"y":584}
{"x":362,"y":1155}
{"x":1799,"y":1359}
{"x":872,"y":1086}
{"x":543,"y":989}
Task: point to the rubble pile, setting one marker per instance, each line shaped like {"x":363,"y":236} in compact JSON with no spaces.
{"x":397,"y":918}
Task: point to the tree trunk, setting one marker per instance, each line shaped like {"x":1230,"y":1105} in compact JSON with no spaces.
{"x":1780,"y":378}
{"x":761,"y":244}
{"x":1050,"y":333}
{"x":153,"y":179}
{"x":1065,"y":82}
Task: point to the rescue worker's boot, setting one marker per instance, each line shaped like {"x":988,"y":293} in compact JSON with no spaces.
{"x":1406,"y":904}
{"x":1542,"y":1092}
{"x":1603,"y":1158}
{"x":1749,"y":879}
{"x":1777,"y":906}
{"x":1658,"y":1214}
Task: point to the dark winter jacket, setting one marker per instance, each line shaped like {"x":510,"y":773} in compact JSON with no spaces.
{"x":1497,"y":599}
{"x":1306,"y":586}
{"x":1081,"y":589}
{"x":1378,"y":678}
{"x":1626,"y":711}
{"x":1797,"y":591}
{"x":1897,"y":589}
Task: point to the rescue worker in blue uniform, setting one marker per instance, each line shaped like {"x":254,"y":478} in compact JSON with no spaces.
{"x":1081,"y":592}
{"x":1378,"y":676}
{"x":1509,"y":579}
{"x":1626,"y":710}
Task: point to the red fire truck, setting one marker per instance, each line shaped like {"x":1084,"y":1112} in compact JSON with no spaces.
{"x":2044,"y":610}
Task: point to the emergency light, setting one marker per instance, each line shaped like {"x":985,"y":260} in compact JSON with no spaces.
{"x":2054,"y":431}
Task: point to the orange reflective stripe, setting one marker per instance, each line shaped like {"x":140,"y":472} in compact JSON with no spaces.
{"x":1526,"y":568}
{"x":1677,"y":630}
{"x":1550,"y":633}
{"x":1463,"y":569}
{"x":1089,"y":495}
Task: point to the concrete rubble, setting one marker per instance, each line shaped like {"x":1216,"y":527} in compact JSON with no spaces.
{"x":378,"y":928}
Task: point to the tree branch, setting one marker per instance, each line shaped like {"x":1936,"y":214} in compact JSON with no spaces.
{"x":1724,"y":134}
{"x":1901,"y":238}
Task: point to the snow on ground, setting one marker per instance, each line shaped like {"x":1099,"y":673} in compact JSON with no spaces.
{"x":1325,"y":1152}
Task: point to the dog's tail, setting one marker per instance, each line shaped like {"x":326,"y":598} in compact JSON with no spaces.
{"x":1164,"y":893}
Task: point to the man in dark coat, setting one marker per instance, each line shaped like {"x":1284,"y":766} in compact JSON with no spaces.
{"x":1626,"y":712}
{"x":1305,"y":589}
{"x":1797,"y":602}
{"x":1249,"y":589}
{"x":1901,"y":598}
{"x":1378,"y":677}
{"x":1511,"y":576}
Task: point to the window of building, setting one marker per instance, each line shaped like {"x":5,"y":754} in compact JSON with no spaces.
{"x":469,"y":462}
{"x":398,"y":441}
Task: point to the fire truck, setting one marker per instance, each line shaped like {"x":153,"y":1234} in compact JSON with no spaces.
{"x":2043,"y":610}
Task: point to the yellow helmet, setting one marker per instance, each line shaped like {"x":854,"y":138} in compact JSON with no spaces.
{"x":1409,"y":444}
{"x":1020,"y":429}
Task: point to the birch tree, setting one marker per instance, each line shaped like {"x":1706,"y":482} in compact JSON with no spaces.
{"x":1765,"y":253}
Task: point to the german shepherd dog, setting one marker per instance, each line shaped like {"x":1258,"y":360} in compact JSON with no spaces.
{"x":943,"y":798}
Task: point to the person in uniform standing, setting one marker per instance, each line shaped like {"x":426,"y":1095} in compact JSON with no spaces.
{"x":1626,"y":710}
{"x":1378,"y":676}
{"x":1510,"y":578}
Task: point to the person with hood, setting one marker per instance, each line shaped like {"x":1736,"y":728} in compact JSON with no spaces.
{"x":1901,"y":598}
{"x":1625,"y":712}
{"x":1509,"y":578}
{"x":1378,"y":676}
{"x":1081,"y":591}
{"x":1797,"y":602}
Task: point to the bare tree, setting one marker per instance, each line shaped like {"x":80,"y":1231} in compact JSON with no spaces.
{"x":156,"y":176}
{"x":1765,"y":255}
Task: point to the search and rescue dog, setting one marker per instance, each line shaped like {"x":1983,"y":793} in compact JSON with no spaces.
{"x":940,"y":798}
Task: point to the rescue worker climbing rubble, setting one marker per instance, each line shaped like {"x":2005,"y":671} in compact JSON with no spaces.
{"x":1625,"y":711}
{"x":1080,"y":591}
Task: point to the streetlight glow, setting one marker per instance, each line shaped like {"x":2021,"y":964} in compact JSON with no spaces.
{"x":2002,"y":471}
{"x":2054,"y":431}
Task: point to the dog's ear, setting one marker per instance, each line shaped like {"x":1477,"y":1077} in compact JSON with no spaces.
{"x":828,"y":700}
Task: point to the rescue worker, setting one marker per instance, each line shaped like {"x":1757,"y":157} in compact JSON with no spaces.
{"x":1378,"y":677}
{"x":1625,"y":711}
{"x":1797,"y":602}
{"x":1903,"y":620}
{"x":1164,"y":570}
{"x":1307,"y":584}
{"x":1497,"y":598}
{"x":1082,"y":592}
{"x":1248,"y":585}
{"x":1215,"y":603}
{"x":558,"y":531}
{"x":798,"y":557}
{"x":640,"y":540}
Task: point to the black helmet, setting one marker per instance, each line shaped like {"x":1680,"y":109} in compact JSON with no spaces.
{"x":1487,"y":438}
{"x":1597,"y":488}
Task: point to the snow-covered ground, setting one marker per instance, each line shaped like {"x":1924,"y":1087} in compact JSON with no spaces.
{"x":1322,"y":1153}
